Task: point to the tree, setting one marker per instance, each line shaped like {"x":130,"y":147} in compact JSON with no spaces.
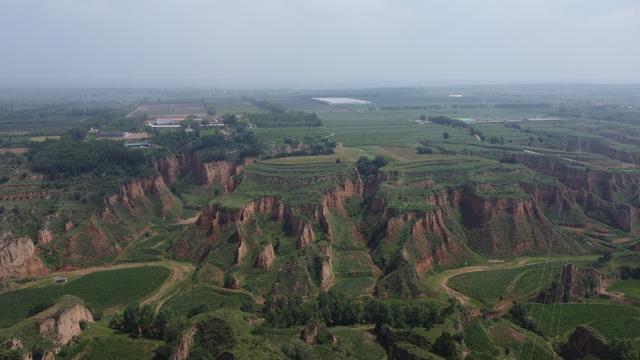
{"x":229,"y":119}
{"x":377,"y":312}
{"x":624,"y":350}
{"x":76,"y":134}
{"x":213,"y":336}
{"x":368,"y":167}
{"x":445,"y":346}
{"x":445,"y":135}
{"x":137,"y":320}
{"x":336,"y":309}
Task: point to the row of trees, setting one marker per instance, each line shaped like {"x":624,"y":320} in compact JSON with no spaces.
{"x":447,"y":121}
{"x":141,"y":321}
{"x":334,"y":308}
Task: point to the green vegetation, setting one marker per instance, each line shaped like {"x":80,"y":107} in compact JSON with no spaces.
{"x":517,"y":283}
{"x":295,"y":183}
{"x":210,"y":147}
{"x":111,"y":346}
{"x":477,"y":338}
{"x":99,"y":290}
{"x":409,"y":183}
{"x":558,"y":319}
{"x":284,"y":119}
{"x":630,"y":288}
{"x":443,"y":187}
{"x":334,"y":309}
{"x":71,"y":158}
{"x":200,"y":299}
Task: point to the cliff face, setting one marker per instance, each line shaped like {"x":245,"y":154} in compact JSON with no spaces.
{"x":430,"y":242}
{"x":135,"y":195}
{"x":461,"y":221}
{"x":265,"y":258}
{"x":614,"y":195}
{"x":65,"y":326}
{"x":505,"y":226}
{"x":183,"y":348}
{"x":574,"y":283}
{"x":45,"y":236}
{"x":598,"y":146}
{"x":585,"y":342}
{"x":581,"y":283}
{"x":214,"y":220}
{"x":18,"y":257}
{"x":335,"y":198}
{"x":226,"y":173}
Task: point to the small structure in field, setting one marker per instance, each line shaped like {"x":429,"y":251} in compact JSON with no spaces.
{"x":58,"y":280}
{"x":342,"y":101}
{"x":113,"y":134}
{"x":137,"y":145}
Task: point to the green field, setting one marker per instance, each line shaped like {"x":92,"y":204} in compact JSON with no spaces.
{"x":213,"y":298}
{"x":477,"y":337}
{"x":630,"y":288}
{"x":490,"y":286}
{"x":523,"y":344}
{"x":611,"y":320}
{"x":100,"y":290}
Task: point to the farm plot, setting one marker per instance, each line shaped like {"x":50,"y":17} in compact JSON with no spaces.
{"x":100,"y":290}
{"x":517,"y":283}
{"x":559,"y":319}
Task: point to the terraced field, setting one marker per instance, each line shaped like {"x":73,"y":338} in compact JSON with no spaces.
{"x":355,"y":272}
{"x":410,"y":182}
{"x":297,"y":182}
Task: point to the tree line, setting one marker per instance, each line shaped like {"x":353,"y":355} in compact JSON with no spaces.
{"x":335,"y":308}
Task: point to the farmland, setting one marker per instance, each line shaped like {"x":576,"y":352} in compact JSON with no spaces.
{"x":101,"y":290}
{"x":558,"y":320}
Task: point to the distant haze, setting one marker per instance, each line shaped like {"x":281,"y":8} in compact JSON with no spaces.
{"x":315,"y":43}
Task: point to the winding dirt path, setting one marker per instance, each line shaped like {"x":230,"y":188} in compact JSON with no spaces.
{"x":443,"y":282}
{"x":179,"y":273}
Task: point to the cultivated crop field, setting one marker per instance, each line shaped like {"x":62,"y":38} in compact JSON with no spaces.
{"x":629,"y":287}
{"x":516,"y":283}
{"x":208,"y":298}
{"x":559,"y":319}
{"x":100,"y":290}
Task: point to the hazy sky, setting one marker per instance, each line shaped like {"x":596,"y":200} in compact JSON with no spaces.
{"x":316,"y":42}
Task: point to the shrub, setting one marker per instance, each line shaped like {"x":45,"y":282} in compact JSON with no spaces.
{"x":40,"y":307}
